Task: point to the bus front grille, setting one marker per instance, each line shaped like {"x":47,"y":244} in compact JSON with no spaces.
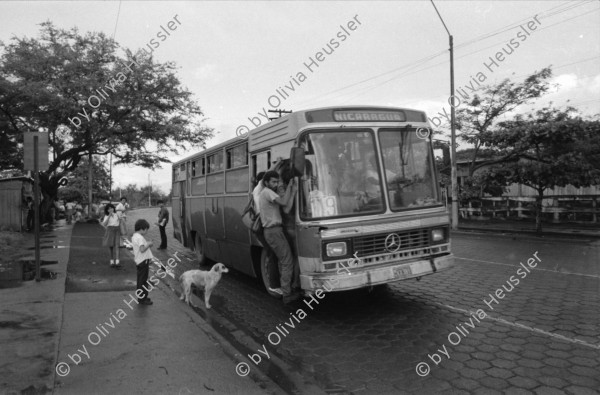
{"x":376,"y":244}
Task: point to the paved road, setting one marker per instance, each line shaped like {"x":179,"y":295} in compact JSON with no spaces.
{"x":539,"y":333}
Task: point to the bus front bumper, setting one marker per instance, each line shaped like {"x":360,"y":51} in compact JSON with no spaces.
{"x":373,"y":275}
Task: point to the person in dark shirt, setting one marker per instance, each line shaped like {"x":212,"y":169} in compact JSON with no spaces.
{"x":163,"y":219}
{"x":30,"y":213}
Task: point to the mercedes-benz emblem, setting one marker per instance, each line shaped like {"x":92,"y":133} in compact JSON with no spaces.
{"x":392,"y":242}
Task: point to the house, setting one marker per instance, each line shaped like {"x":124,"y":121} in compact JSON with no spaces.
{"x":13,"y":211}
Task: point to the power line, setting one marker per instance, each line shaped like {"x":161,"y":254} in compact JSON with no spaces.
{"x":368,"y":88}
{"x":545,"y":14}
{"x":408,"y":65}
{"x":564,"y":65}
{"x":522,"y":75}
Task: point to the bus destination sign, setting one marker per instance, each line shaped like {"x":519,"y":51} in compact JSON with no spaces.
{"x":368,"y":116}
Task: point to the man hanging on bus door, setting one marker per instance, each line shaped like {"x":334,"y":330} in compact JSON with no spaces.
{"x":273,"y":271}
{"x":286,"y":175}
{"x":270,"y":215}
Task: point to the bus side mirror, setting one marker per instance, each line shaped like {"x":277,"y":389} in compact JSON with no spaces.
{"x":297,"y":160}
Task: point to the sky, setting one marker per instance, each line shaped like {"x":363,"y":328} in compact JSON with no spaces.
{"x":234,"y":56}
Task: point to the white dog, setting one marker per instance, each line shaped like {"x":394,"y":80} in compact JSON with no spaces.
{"x":201,"y":278}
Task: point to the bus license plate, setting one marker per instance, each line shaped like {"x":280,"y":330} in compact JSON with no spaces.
{"x":402,"y":272}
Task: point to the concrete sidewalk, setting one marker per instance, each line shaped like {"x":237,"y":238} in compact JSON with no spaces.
{"x":30,"y":321}
{"x":90,"y":341}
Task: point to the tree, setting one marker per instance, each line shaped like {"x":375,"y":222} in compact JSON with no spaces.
{"x":491,"y":181}
{"x":77,"y":186}
{"x":478,"y":116}
{"x":11,"y":158}
{"x":138,"y":196}
{"x":94,"y":99}
{"x":553,"y":148}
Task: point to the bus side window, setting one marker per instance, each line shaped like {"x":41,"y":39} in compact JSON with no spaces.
{"x":260,"y":163}
{"x":254,"y":172}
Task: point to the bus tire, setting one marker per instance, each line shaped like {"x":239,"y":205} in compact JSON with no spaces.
{"x":264,"y":273}
{"x":376,"y":290}
{"x":199,"y":250}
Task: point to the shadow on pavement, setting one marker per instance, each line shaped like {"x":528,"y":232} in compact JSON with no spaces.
{"x":88,"y":269}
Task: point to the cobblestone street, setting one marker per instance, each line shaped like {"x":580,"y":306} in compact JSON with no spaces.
{"x":453,"y":332}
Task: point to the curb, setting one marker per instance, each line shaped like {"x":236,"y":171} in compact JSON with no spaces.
{"x":533,"y":234}
{"x":63,"y":285}
{"x":288,"y":380}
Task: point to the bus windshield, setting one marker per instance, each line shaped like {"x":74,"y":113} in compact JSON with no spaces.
{"x":408,"y":169}
{"x":341,"y":175}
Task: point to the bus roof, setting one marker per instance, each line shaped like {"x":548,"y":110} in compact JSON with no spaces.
{"x":285,"y":128}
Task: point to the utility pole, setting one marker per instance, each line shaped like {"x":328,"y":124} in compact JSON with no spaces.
{"x":149,"y":191}
{"x":453,"y":175}
{"x":35,"y":158}
{"x":110,"y":179}
{"x":90,"y":183}
{"x":36,"y":204}
{"x":279,"y":112}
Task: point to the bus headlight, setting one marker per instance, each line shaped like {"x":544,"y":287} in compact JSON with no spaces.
{"x":437,"y":235}
{"x":336,"y":249}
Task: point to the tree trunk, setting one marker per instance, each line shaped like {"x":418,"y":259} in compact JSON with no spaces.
{"x":472,"y":164}
{"x":538,"y":211}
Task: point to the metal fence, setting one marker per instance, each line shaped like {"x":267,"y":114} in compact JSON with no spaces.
{"x":555,"y":208}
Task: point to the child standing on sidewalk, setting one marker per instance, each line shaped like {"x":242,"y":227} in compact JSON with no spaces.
{"x":142,"y":256}
{"x":121,"y":208}
{"x":112,"y":235}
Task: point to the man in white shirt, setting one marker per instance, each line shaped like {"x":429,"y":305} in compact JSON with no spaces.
{"x":273,"y":271}
{"x":270,"y":216}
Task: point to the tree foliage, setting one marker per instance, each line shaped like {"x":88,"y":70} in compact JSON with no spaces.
{"x":11,"y":157}
{"x":491,"y":181}
{"x":141,"y":114}
{"x":77,"y":187}
{"x":547,"y":149}
{"x":476,"y":118}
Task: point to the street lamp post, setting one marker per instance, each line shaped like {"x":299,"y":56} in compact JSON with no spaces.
{"x":453,"y":175}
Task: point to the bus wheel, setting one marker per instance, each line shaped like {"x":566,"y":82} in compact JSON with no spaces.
{"x":199,"y":250}
{"x":264,"y":271}
{"x":376,"y":290}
